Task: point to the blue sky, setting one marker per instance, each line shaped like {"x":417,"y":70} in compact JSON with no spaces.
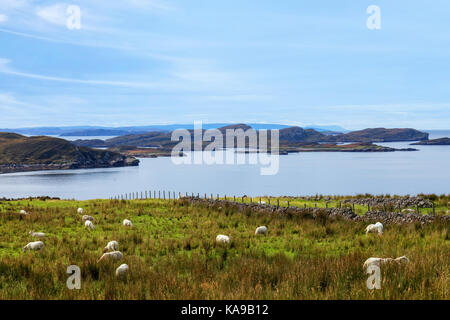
{"x":141,"y":62}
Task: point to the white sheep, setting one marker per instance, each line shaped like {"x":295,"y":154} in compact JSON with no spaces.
{"x":86,"y":217}
{"x":115,"y":255}
{"x":23,"y":213}
{"x":80,"y":210}
{"x":37,"y":245}
{"x":408,"y":211}
{"x":376,"y":261}
{"x":127,"y":223}
{"x":222,"y":239}
{"x":377,"y":227}
{"x":122,"y":270}
{"x":379,"y":261}
{"x":261,"y":230}
{"x":37,"y":234}
{"x":88,"y":224}
{"x":111,"y":246}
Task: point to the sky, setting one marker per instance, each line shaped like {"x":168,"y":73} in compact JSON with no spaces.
{"x":143,"y":62}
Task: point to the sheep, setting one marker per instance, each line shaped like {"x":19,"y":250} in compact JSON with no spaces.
{"x":80,"y":210}
{"x":122,"y":270}
{"x":23,"y":213}
{"x":379,"y":261}
{"x":377,"y":227}
{"x":222,"y":239}
{"x":127,"y":223}
{"x":86,"y":217}
{"x":261,"y":230}
{"x":376,"y":261}
{"x":408,"y":211}
{"x":115,"y":255}
{"x":37,"y":245}
{"x":88,"y":224}
{"x":37,"y":234}
{"x":111,"y":246}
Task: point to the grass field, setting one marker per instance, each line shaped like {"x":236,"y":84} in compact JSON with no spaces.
{"x":172,"y":254}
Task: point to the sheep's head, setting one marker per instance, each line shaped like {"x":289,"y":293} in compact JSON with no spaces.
{"x":31,"y":232}
{"x":402,"y":259}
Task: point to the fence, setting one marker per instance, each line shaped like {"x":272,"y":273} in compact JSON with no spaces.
{"x":172,"y":195}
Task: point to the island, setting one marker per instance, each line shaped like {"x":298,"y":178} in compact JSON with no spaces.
{"x":433,"y":142}
{"x":20,"y":153}
{"x":291,"y":139}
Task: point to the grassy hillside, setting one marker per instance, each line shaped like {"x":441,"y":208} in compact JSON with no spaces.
{"x":172,"y":254}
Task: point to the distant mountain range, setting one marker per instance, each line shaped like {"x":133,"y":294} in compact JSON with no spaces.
{"x":90,"y":131}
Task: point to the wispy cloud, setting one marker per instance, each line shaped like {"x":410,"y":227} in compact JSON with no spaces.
{"x":3,"y":18}
{"x":6,"y":69}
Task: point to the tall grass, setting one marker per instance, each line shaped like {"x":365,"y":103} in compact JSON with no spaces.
{"x":172,"y":254}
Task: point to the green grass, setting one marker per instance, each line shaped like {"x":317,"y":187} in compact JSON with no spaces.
{"x":172,"y":254}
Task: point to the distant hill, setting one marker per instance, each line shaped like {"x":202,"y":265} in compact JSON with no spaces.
{"x":20,"y":153}
{"x":99,"y":132}
{"x":382,"y":135}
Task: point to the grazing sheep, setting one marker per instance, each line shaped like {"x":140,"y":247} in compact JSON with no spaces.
{"x":127,"y":223}
{"x":122,"y":270}
{"x":408,"y":211}
{"x":222,"y":239}
{"x":86,"y":217}
{"x":37,"y":245}
{"x":111,"y":246}
{"x":23,"y":213}
{"x":37,"y":234}
{"x":263,"y":202}
{"x":80,"y":210}
{"x":261,"y":230}
{"x":377,"y":227}
{"x":115,"y":255}
{"x":379,"y":261}
{"x":88,"y":224}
